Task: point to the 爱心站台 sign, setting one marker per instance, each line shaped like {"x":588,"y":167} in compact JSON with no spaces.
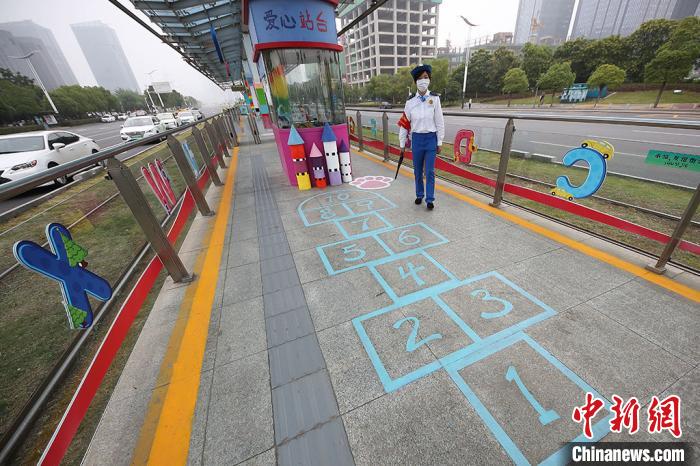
{"x":674,"y":160}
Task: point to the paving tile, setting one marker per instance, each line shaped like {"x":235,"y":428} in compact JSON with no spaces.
{"x":241,"y":332}
{"x":242,"y":283}
{"x":242,"y":252}
{"x":198,"y":434}
{"x":302,"y":405}
{"x":240,"y":422}
{"x":688,"y":389}
{"x":354,"y":380}
{"x":664,"y":318}
{"x":276,"y":264}
{"x":283,"y":301}
{"x":342,"y":297}
{"x":327,"y":444}
{"x":308,"y":238}
{"x":269,"y":240}
{"x":309,"y":265}
{"x":295,"y":359}
{"x":274,"y":250}
{"x":288,"y":326}
{"x":427,"y":422}
{"x":266,"y":458}
{"x":610,"y":357}
{"x":280,"y":280}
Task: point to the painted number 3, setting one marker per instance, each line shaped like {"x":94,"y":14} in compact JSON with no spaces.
{"x":507,"y":306}
{"x":411,"y":343}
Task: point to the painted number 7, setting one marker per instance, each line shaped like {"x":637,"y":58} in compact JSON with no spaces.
{"x":546,"y":416}
{"x":507,"y":306}
{"x":363,"y":221}
{"x":411,"y":343}
{"x":353,"y":249}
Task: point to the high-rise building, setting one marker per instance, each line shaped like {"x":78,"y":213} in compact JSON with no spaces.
{"x":543,"y":21}
{"x":395,"y":35}
{"x":105,"y":55}
{"x":22,"y":37}
{"x":596,"y":19}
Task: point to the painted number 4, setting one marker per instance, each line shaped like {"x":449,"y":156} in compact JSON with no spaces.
{"x":411,"y":343}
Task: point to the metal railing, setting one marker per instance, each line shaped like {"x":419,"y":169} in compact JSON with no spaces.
{"x":682,"y":222}
{"x":220,"y":133}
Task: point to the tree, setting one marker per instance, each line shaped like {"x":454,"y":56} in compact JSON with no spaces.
{"x":613,"y":50}
{"x":559,"y":76}
{"x":479,"y":73}
{"x":454,"y":83}
{"x":20,"y":99}
{"x":536,"y":60}
{"x":573,"y":51}
{"x":438,"y":80}
{"x":645,"y":43}
{"x":515,"y":82}
{"x":129,"y":100}
{"x":668,"y":66}
{"x":503,"y":59}
{"x":606,"y":75}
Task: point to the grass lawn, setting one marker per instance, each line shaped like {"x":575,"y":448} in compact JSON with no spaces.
{"x":636,"y":97}
{"x":654,"y":196}
{"x":33,"y":328}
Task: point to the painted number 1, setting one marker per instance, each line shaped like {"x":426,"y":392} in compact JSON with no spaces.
{"x":507,"y":306}
{"x":411,"y":343}
{"x":546,"y":416}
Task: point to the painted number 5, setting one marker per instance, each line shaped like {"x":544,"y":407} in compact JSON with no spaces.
{"x":353,"y":249}
{"x":507,"y":306}
{"x":411,"y":344}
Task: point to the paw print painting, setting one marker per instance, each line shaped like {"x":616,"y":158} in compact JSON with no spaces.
{"x":371,"y":182}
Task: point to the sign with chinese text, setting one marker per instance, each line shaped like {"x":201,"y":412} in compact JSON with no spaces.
{"x":298,"y":21}
{"x":664,"y":158}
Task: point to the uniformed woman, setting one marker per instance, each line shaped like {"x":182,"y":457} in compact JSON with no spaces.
{"x":424,"y":112}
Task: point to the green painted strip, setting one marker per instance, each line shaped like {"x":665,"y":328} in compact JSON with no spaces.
{"x":663,"y":158}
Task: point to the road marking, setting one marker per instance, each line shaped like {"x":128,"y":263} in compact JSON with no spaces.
{"x":662,"y":132}
{"x":569,"y":146}
{"x":174,"y":405}
{"x":610,"y":259}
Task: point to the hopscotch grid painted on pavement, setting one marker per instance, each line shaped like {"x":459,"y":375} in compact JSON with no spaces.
{"x":399,"y":249}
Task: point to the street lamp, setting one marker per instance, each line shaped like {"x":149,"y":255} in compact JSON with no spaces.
{"x":466,"y":64}
{"x":36,"y":76}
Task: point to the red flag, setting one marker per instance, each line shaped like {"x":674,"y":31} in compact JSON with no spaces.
{"x":404,"y":122}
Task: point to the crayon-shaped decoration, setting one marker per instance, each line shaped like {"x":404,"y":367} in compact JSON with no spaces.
{"x":345,"y":168}
{"x":330,"y":148}
{"x":316,"y":160}
{"x":296,"y":146}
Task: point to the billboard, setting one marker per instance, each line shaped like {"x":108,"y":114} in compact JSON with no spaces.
{"x":162,"y":87}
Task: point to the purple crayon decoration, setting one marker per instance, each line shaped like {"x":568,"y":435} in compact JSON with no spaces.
{"x":319,"y":172}
{"x":345,"y":168}
{"x":301,"y":169}
{"x":330,"y":148}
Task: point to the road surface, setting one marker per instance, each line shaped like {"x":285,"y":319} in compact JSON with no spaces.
{"x":104,"y":134}
{"x":555,"y":138}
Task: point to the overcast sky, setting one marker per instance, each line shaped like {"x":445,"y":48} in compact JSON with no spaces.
{"x":146,"y":53}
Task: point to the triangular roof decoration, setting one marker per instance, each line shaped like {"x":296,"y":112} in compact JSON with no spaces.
{"x":342,"y":147}
{"x":315,"y":152}
{"x":328,"y":134}
{"x":294,"y":137}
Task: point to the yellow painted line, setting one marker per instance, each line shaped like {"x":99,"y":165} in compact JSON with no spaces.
{"x":641,"y":272}
{"x":174,"y":404}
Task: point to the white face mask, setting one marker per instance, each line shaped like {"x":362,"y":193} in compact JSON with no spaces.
{"x":423,"y":84}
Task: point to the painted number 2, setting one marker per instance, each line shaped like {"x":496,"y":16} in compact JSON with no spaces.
{"x":411,"y":343}
{"x":507,"y":306}
{"x":546,"y":416}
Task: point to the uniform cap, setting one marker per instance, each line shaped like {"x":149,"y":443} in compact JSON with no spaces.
{"x":415,"y":72}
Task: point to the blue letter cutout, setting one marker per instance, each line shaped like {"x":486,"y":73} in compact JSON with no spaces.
{"x":76,"y":282}
{"x":597,"y":169}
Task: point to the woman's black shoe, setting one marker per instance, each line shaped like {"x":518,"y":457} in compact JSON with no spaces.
{"x":419,"y":200}
{"x":430,"y":206}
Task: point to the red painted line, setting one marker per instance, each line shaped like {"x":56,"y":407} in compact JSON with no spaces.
{"x":294,"y":45}
{"x":75,"y":412}
{"x":549,"y":200}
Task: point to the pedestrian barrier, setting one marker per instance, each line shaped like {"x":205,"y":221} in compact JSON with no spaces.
{"x":650,"y":216}
{"x":103,"y":227}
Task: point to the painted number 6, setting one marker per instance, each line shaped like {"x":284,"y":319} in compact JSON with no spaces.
{"x":507,"y":306}
{"x":411,"y":344}
{"x":408,"y":239}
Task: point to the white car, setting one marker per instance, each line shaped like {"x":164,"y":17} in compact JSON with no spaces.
{"x":108,"y":119}
{"x":168,"y":120}
{"x":122,"y":116}
{"x":185,"y":118}
{"x":29,"y":153}
{"x":141,"y":127}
